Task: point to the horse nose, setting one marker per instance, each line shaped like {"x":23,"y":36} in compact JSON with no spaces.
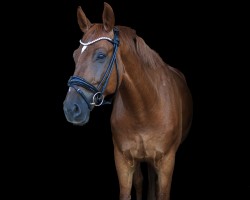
{"x":72,"y":110}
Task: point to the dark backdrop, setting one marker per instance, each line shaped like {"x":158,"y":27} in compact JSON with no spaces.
{"x":53,"y":158}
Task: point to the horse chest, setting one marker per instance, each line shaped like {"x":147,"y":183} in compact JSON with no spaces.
{"x":141,"y":144}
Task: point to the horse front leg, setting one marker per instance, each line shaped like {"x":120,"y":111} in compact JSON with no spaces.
{"x":138,"y":182}
{"x":165,"y":168}
{"x":125,"y":167}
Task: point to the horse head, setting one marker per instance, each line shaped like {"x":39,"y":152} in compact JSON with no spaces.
{"x":96,"y":73}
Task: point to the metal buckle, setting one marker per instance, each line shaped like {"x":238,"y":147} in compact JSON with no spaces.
{"x":97,"y":99}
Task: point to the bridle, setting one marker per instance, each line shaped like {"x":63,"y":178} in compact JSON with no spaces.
{"x":98,"y":97}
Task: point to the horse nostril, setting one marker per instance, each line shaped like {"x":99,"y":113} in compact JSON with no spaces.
{"x":73,"y":109}
{"x":76,"y":110}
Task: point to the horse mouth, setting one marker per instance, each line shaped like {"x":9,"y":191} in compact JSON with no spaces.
{"x":78,"y":121}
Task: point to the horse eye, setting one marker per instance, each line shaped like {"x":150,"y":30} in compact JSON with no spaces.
{"x":101,"y":56}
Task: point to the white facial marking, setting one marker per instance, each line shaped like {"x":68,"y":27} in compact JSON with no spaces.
{"x":83,"y":48}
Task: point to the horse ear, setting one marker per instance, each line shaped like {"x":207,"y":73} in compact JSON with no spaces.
{"x":83,"y":21}
{"x":108,"y":17}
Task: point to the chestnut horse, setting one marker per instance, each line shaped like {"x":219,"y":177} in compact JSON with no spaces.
{"x":151,"y":102}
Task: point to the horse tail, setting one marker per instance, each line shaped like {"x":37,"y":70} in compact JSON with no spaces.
{"x":151,"y":183}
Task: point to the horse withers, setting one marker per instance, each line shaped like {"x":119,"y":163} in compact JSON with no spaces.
{"x":151,"y":106}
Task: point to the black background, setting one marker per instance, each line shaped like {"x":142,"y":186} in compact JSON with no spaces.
{"x":50,"y":157}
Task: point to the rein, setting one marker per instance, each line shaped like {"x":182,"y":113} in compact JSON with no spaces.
{"x":98,"y":97}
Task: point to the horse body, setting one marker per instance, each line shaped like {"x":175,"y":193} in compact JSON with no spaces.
{"x":151,"y":115}
{"x":152,"y":108}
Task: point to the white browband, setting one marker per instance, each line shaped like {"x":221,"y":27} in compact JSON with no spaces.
{"x":91,"y":42}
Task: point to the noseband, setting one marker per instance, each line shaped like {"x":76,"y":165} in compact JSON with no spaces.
{"x":98,"y":97}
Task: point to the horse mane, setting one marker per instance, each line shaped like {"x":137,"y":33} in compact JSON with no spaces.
{"x":148,"y":56}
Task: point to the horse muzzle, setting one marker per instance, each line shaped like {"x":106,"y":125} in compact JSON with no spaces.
{"x":76,"y":111}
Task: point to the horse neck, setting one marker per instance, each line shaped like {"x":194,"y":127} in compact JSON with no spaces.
{"x":139,"y":89}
